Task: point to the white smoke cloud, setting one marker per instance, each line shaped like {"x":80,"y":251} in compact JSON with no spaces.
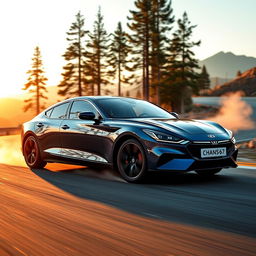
{"x":234,"y":113}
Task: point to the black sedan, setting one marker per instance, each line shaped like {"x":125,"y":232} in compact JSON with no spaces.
{"x":133,"y":136}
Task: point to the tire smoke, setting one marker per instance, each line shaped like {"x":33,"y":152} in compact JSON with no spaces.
{"x":234,"y":113}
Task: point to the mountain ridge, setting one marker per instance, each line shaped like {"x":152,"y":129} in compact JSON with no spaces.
{"x":245,"y":83}
{"x":226,"y":64}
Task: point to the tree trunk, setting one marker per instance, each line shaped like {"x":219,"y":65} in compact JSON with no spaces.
{"x":79,"y":64}
{"x":119,"y":76}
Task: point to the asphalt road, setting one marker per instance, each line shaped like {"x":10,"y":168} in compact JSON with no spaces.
{"x":82,"y":212}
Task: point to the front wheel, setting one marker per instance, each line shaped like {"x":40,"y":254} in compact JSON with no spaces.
{"x":131,"y":161}
{"x":31,"y":153}
{"x":208,"y":173}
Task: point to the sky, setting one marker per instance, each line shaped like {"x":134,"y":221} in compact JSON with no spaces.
{"x":222,"y":25}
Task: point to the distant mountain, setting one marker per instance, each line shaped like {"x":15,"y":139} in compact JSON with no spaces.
{"x":246,"y":83}
{"x":226,"y":64}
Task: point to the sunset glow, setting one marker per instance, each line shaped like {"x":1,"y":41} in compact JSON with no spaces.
{"x":25,"y":24}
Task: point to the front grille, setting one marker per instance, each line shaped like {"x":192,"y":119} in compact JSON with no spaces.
{"x":195,"y":149}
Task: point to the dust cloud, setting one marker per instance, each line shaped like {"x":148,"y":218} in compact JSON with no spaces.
{"x":234,"y":113}
{"x":10,"y":150}
{"x":10,"y":153}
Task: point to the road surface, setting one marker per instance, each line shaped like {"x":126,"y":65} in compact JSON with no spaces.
{"x":73,"y":212}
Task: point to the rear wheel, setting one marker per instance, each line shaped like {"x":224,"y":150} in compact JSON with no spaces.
{"x":131,"y":161}
{"x":31,"y":153}
{"x":208,"y":173}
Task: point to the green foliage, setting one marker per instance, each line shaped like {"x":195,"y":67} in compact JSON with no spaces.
{"x":36,"y":84}
{"x":180,"y":74}
{"x":120,"y":50}
{"x":150,"y":25}
{"x":148,"y":55}
{"x":161,"y":25}
{"x":74,"y":81}
{"x":98,"y":55}
{"x":204,"y":79}
{"x":140,"y":39}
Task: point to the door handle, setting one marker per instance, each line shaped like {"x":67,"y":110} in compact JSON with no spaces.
{"x":65,"y":127}
{"x":39,"y":125}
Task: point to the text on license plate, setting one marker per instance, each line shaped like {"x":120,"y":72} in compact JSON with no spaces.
{"x":213,"y":152}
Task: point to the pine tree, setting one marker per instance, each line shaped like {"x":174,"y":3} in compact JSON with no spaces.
{"x":204,"y":80}
{"x":36,"y":84}
{"x":99,"y":54}
{"x":181,"y":75}
{"x":140,"y":39}
{"x":150,"y":24}
{"x":74,"y":76}
{"x":162,"y":20}
{"x":119,"y":57}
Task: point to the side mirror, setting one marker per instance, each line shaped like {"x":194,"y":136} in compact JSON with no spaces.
{"x":175,"y":114}
{"x":87,"y":116}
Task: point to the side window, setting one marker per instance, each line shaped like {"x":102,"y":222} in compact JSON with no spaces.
{"x":59,"y":111}
{"x":48,"y":112}
{"x":81,"y":106}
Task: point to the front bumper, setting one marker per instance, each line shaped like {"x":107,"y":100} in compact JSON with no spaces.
{"x":184,"y":158}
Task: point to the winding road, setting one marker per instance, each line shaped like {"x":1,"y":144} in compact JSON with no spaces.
{"x":77,"y":211}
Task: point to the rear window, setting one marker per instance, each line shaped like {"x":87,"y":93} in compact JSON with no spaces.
{"x":59,"y":111}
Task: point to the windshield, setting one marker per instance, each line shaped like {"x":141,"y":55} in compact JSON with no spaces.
{"x":131,"y":108}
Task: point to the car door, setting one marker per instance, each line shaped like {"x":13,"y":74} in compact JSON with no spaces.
{"x":48,"y":128}
{"x":84,"y":139}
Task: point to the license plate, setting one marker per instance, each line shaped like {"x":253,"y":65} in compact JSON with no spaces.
{"x":213,"y":152}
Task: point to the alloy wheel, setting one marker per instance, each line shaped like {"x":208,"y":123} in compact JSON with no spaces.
{"x":131,"y":161}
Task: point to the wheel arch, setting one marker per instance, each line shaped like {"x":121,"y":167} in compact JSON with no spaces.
{"x":119,"y":141}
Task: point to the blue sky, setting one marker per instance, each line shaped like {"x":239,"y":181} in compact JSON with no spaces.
{"x":222,"y":26}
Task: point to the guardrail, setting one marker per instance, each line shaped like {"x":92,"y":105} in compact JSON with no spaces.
{"x":4,"y":131}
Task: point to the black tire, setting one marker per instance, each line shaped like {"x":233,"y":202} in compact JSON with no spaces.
{"x":208,"y":173}
{"x":32,"y":154}
{"x":131,"y":161}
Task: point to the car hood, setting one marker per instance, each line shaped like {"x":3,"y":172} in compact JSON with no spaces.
{"x":189,"y":129}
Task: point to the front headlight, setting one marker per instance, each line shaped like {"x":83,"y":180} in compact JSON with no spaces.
{"x":163,"y":137}
{"x":231,"y":134}
{"x":233,"y":140}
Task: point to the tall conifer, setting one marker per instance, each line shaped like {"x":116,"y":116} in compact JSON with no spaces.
{"x":140,"y":39}
{"x":161,"y":25}
{"x":36,"y":84}
{"x":74,"y":79}
{"x":181,"y":75}
{"x":204,"y":80}
{"x":119,"y":57}
{"x":98,"y":54}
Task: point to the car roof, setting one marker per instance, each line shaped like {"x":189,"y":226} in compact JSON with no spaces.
{"x":92,"y":98}
{"x":98,"y":97}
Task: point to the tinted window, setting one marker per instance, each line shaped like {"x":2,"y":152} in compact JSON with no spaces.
{"x":48,"y":112}
{"x":131,"y":108}
{"x":81,"y":106}
{"x":60,"y":111}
